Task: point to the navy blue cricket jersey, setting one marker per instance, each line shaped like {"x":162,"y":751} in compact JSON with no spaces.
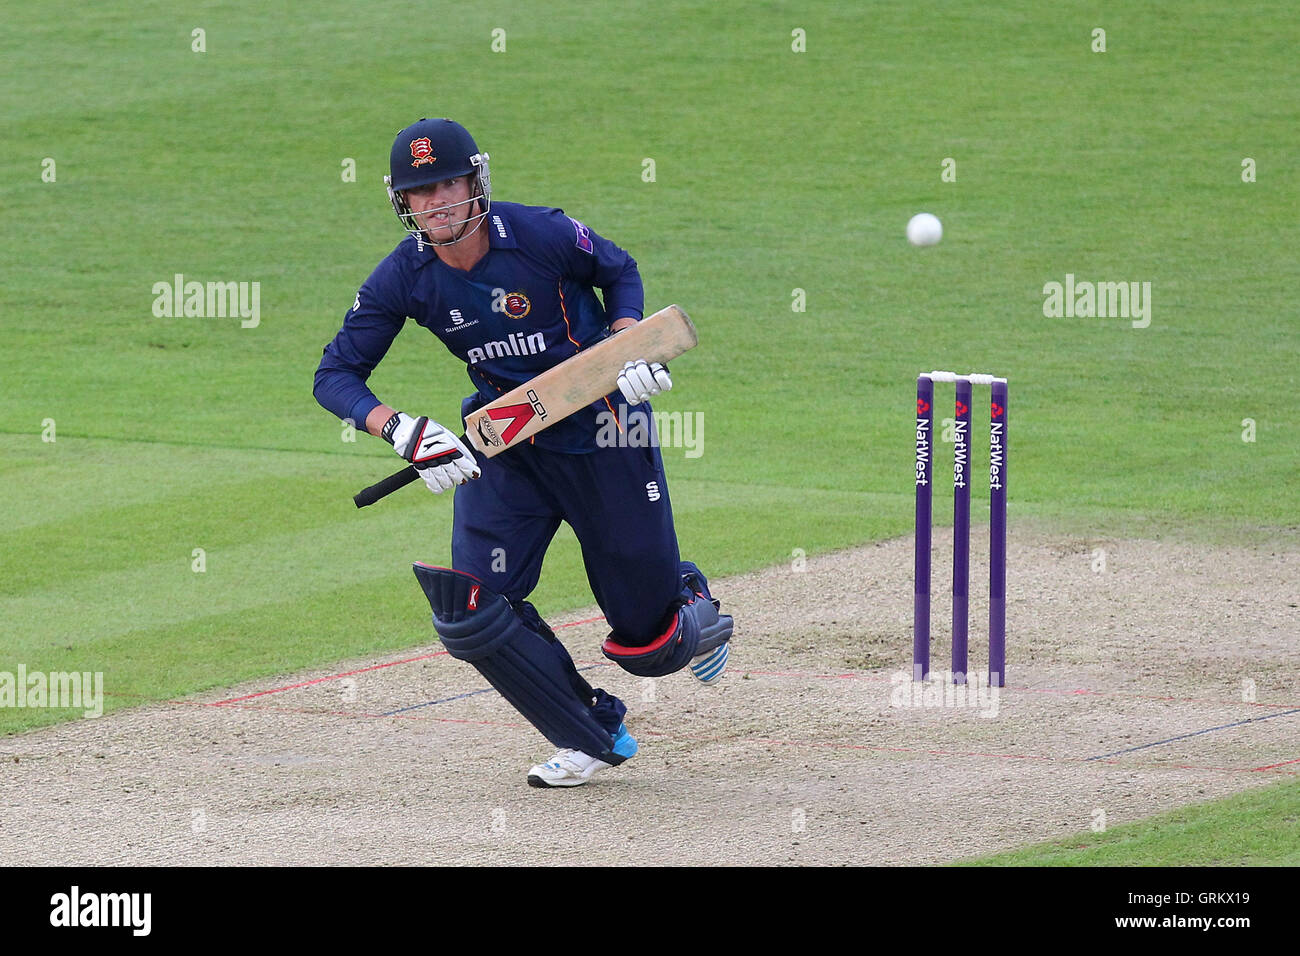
{"x":527,"y":305}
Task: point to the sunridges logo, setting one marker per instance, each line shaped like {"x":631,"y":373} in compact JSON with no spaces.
{"x":75,"y":908}
{"x":422,"y":151}
{"x":459,"y":322}
{"x":997,"y":448}
{"x":473,"y":597}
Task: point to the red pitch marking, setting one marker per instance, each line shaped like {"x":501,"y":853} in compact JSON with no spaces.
{"x":590,"y":620}
{"x":1274,"y":766}
{"x":347,"y":674}
{"x":1058,"y":691}
{"x":849,"y":675}
{"x":321,"y":680}
{"x":829,"y":745}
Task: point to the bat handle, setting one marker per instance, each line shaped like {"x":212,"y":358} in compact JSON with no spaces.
{"x":382,"y":489}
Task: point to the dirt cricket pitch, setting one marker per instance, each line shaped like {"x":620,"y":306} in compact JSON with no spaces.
{"x":1142,"y":676}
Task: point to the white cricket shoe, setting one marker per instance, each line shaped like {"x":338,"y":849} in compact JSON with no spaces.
{"x":573,"y":768}
{"x":568,"y":768}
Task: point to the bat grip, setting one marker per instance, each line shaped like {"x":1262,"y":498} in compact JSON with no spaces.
{"x":382,"y":489}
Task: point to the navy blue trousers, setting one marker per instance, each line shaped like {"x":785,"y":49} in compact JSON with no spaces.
{"x":616,"y":501}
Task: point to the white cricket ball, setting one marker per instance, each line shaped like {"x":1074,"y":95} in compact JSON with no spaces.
{"x":924,"y":229}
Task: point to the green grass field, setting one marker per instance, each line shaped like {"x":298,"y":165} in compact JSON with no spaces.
{"x":776,"y":171}
{"x":1256,"y":828}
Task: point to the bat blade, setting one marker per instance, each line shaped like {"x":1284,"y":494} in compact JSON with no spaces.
{"x":576,"y":382}
{"x":557,"y":393}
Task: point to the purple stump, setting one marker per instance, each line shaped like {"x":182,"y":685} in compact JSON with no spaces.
{"x":998,"y":535}
{"x":921,"y":592}
{"x":960,"y":529}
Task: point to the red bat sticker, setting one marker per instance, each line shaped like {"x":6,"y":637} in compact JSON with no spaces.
{"x":518,"y":415}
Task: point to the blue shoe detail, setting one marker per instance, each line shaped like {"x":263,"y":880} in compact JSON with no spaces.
{"x":624,"y":743}
{"x":710,"y":669}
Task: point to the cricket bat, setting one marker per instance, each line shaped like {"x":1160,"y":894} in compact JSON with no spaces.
{"x":560,"y":391}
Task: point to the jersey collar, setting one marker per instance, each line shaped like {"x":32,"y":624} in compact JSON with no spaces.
{"x":501,"y":235}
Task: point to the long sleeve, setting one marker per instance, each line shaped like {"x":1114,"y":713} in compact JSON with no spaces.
{"x":369,"y":328}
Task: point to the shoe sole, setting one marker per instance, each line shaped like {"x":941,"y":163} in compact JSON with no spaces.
{"x":624,"y":740}
{"x":536,"y":781}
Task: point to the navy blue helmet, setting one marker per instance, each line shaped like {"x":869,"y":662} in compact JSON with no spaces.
{"x":431,"y":151}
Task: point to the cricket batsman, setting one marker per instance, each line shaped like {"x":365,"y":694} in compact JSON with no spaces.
{"x":511,"y":290}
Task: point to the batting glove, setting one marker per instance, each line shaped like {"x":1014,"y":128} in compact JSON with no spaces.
{"x":441,"y":458}
{"x":641,"y":379}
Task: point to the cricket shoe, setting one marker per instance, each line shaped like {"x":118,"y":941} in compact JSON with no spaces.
{"x":709,"y":667}
{"x":573,"y":768}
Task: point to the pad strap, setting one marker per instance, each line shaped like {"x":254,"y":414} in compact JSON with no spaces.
{"x":695,"y":629}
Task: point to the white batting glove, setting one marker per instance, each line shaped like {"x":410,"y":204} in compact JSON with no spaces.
{"x":441,"y":458}
{"x":641,"y":379}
